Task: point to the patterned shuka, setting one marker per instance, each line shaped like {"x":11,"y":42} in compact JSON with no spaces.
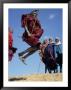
{"x":32,"y":34}
{"x":34,"y":29}
{"x":12,"y":50}
{"x":10,"y":46}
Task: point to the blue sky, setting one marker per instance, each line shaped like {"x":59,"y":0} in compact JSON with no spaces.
{"x":51,"y":22}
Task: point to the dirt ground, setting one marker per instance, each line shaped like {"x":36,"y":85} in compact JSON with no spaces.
{"x":38,"y":77}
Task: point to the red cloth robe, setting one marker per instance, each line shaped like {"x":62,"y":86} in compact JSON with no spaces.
{"x":10,"y":46}
{"x":34,"y":28}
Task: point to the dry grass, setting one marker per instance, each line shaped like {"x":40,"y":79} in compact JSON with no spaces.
{"x":38,"y":77}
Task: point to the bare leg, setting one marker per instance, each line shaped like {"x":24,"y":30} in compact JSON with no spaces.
{"x":27,"y":50}
{"x":30,"y":53}
{"x":49,"y":70}
{"x":23,"y":56}
{"x":20,"y":54}
{"x":60,"y":68}
{"x":45,"y":68}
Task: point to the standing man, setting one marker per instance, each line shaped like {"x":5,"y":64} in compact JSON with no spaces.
{"x":58,"y":51}
{"x":50,"y":56}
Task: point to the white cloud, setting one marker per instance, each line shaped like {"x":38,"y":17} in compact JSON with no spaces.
{"x":51,"y":16}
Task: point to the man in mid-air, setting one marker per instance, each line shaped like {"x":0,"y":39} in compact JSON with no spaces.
{"x":32,"y":34}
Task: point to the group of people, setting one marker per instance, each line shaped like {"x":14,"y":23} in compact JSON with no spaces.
{"x":51,"y":54}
